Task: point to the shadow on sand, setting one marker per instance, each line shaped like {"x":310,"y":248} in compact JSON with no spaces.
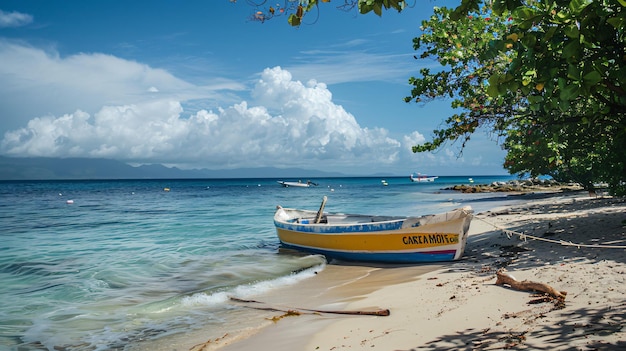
{"x":571,"y":221}
{"x":570,"y":335}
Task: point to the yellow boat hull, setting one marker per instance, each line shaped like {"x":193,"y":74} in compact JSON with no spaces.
{"x":431,"y":238}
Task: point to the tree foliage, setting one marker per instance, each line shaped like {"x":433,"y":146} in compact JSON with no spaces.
{"x":296,"y":10}
{"x":461,"y":47}
{"x":547,"y":76}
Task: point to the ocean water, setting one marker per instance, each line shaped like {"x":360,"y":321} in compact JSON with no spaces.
{"x":107,"y":265}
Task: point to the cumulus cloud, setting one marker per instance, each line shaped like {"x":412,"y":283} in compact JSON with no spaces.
{"x":102,"y":106}
{"x":14,"y":19}
{"x":292,"y":125}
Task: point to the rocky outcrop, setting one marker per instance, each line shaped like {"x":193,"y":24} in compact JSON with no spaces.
{"x":518,"y":186}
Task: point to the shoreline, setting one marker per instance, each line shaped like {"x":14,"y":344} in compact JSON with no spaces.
{"x":457,"y":304}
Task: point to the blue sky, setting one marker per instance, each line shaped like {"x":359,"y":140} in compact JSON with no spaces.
{"x":198,"y":84}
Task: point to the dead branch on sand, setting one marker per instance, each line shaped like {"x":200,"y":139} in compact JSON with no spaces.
{"x":504,"y":278}
{"x":381,"y":312}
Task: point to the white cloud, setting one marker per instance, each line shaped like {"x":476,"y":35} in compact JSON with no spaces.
{"x":14,"y":19}
{"x":40,"y":82}
{"x":297,"y":125}
{"x":412,"y":139}
{"x":129,"y":111}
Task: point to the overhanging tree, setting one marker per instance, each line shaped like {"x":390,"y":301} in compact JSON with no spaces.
{"x":296,"y":10}
{"x":463,"y":48}
{"x":552,"y":80}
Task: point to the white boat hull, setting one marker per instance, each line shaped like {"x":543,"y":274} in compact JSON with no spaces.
{"x":422,"y":178}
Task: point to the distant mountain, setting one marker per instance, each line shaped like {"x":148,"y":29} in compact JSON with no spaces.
{"x":40,"y":168}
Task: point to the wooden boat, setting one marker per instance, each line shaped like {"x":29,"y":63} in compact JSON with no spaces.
{"x":391,"y":239}
{"x":422,"y":178}
{"x":298,"y":184}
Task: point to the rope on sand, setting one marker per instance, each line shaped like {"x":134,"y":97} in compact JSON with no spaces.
{"x":524,"y":237}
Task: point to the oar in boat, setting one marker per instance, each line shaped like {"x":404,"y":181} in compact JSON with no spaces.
{"x":320,"y":213}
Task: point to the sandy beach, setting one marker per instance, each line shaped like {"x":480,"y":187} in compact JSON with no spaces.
{"x":569,"y":241}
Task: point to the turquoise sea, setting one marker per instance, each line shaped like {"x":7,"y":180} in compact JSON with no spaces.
{"x":107,"y":265}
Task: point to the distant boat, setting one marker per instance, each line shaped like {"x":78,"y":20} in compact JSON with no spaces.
{"x":422,"y":178}
{"x":299,"y":184}
{"x":367,"y":238}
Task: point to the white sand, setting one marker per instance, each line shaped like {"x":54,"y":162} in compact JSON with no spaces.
{"x":457,"y":305}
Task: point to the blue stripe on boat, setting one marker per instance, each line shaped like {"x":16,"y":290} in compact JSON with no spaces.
{"x":357,"y":228}
{"x":387,"y":257}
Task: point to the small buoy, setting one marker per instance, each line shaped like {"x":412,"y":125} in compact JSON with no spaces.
{"x":69,"y":202}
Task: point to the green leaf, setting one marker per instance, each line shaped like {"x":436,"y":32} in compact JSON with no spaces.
{"x":571,"y":49}
{"x":618,"y":22}
{"x":492,"y":89}
{"x":577,"y":6}
{"x":535,"y":99}
{"x":529,"y":40}
{"x":524,"y":13}
{"x":592,"y":78}
{"x":573,"y":72}
{"x":499,"y":6}
{"x":569,"y":92}
{"x":294,"y":20}
{"x":563,"y":105}
{"x":378,"y":9}
{"x":572,"y":31}
{"x":550,"y":33}
{"x":563,"y":16}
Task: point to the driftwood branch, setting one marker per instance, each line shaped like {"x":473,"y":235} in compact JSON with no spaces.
{"x":504,"y":278}
{"x":382,"y":312}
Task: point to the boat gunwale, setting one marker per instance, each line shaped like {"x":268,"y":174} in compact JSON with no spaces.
{"x":394,"y":224}
{"x":346,"y":215}
{"x":388,"y":218}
